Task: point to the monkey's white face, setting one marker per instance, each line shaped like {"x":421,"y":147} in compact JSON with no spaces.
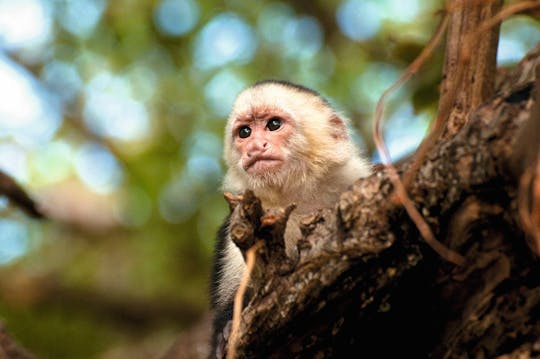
{"x":261,"y":140}
{"x":282,"y":139}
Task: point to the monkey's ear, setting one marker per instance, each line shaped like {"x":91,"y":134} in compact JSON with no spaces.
{"x":338,"y":128}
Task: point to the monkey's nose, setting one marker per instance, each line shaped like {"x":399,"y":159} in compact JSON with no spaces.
{"x":257,"y":147}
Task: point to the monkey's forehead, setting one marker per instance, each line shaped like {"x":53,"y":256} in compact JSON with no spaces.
{"x":262,"y":112}
{"x":269,"y":97}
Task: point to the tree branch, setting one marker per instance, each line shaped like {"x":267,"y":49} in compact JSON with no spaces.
{"x":9,"y":349}
{"x":14,"y":192}
{"x":468,"y":81}
{"x":351,"y":260}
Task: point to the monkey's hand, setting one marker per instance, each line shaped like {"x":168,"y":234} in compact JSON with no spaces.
{"x":249,"y":224}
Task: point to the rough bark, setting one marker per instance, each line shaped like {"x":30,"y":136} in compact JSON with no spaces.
{"x":366,"y":283}
{"x":470,"y":61}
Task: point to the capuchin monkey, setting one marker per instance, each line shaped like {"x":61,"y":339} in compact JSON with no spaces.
{"x":287,"y":144}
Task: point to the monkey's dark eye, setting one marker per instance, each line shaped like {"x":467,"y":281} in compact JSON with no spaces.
{"x":244,"y":131}
{"x":274,"y":123}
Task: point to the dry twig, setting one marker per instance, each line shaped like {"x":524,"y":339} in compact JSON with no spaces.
{"x":400,"y":190}
{"x":239,"y":298}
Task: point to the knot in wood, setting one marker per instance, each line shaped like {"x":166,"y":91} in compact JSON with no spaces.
{"x":308,"y":224}
{"x":273,"y":225}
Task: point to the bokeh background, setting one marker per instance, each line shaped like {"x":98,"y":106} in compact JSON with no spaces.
{"x":111,"y":116}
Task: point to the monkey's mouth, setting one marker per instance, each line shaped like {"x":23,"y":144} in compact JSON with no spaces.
{"x":259,"y":165}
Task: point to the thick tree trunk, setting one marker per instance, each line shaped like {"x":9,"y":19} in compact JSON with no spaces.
{"x":367,"y":284}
